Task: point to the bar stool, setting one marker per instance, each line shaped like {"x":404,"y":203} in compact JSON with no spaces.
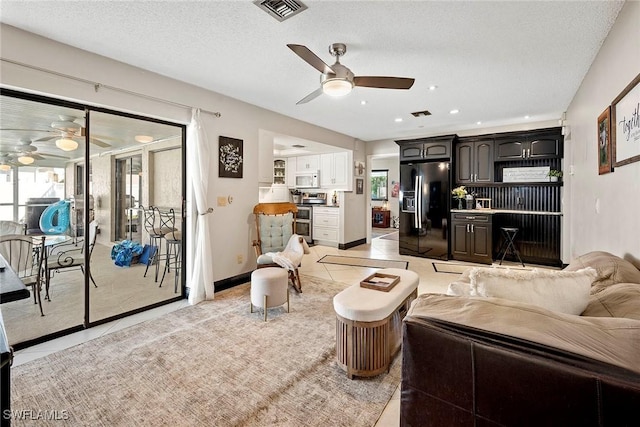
{"x":173,"y":260}
{"x":508,"y":245}
{"x":167,"y":221}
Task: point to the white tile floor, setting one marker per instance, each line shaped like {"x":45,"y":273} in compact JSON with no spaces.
{"x":379,"y":248}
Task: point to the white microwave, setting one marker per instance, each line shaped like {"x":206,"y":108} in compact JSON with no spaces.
{"x":308,"y":179}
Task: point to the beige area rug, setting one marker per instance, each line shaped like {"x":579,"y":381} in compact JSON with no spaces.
{"x":363,"y":262}
{"x":214,"y":364}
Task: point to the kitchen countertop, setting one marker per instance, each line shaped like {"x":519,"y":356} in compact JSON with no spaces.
{"x":504,"y":211}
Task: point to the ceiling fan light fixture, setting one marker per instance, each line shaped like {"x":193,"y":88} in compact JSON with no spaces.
{"x":26,"y":160}
{"x":5,"y":168}
{"x":66,"y":144}
{"x":337,"y":87}
{"x":143,"y":138}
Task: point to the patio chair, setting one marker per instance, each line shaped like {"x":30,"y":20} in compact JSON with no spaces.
{"x":12,"y":227}
{"x":26,"y":259}
{"x":275,"y":224}
{"x":66,"y":256}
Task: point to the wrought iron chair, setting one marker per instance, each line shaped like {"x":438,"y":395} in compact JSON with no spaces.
{"x":173,"y":244}
{"x":65,"y":256}
{"x":156,"y":227}
{"x":275,"y":224}
{"x":26,"y":258}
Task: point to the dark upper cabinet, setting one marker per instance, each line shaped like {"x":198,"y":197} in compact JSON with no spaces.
{"x":438,"y":148}
{"x":545,"y":144}
{"x":474,"y":161}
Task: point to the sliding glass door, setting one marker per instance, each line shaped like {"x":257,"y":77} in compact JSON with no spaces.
{"x":84,"y":177}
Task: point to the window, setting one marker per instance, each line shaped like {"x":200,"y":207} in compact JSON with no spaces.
{"x":379,"y":179}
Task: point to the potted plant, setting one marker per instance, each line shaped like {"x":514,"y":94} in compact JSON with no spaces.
{"x":554,"y":175}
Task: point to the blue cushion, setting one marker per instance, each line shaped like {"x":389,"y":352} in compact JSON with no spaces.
{"x":275,"y":232}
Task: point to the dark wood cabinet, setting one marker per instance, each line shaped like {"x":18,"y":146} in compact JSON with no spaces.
{"x":474,"y":161}
{"x":426,"y":148}
{"x":380,"y":218}
{"x":471,"y":238}
{"x":546,"y":144}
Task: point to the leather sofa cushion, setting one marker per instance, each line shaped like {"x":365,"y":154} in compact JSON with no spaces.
{"x":611,"y":269}
{"x":619,"y":300}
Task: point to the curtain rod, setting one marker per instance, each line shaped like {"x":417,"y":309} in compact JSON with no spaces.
{"x":97,"y":86}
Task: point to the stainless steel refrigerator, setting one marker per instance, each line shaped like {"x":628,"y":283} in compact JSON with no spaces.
{"x":424,"y":209}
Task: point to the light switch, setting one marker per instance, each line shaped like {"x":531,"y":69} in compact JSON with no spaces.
{"x":222,"y":201}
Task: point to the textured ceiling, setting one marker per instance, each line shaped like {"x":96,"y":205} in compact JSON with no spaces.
{"x":493,"y":61}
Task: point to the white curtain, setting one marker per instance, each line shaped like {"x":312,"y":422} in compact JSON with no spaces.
{"x":201,"y":284}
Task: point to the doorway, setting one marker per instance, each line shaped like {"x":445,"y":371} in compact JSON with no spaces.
{"x":128,"y":221}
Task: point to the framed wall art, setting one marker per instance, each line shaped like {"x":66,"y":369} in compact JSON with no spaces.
{"x":359,"y":186}
{"x":230,"y":157}
{"x":625,"y":125}
{"x":604,"y":142}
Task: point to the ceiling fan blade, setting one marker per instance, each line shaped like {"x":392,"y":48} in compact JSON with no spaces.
{"x":311,"y":58}
{"x":313,"y":95}
{"x":384,"y":82}
{"x":99,"y":143}
{"x":47,"y":138}
{"x":52,"y":155}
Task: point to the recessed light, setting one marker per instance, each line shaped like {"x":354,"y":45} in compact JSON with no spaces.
{"x":454,"y":111}
{"x":478,"y":123}
{"x":526,"y":117}
{"x":433,"y":87}
{"x":398,"y":120}
{"x":363,"y":102}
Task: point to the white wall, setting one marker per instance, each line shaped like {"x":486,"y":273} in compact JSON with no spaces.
{"x":602,"y":211}
{"x":232,"y":225}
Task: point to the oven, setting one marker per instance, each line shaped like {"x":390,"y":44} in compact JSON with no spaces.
{"x":304,"y":223}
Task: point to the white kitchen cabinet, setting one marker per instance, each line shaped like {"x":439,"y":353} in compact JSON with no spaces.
{"x":280,"y":171}
{"x":336,"y":170}
{"x":265,"y":161}
{"x":326,"y":225}
{"x":275,"y":193}
{"x":308,"y":163}
{"x":291,"y":172}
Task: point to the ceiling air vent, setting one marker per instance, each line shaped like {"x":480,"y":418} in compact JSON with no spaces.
{"x":281,"y":9}
{"x":421,"y":113}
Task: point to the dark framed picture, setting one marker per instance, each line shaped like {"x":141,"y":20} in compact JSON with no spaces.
{"x":625,"y":125}
{"x":604,"y":142}
{"x":230,"y":155}
{"x":359,"y":186}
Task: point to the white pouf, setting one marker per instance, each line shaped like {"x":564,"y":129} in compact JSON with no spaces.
{"x":269,"y":288}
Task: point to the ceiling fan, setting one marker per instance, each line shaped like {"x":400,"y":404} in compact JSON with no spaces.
{"x":21,"y":154}
{"x":338,"y":80}
{"x":68,"y":129}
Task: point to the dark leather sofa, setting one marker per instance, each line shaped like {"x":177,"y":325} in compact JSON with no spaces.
{"x":488,"y":361}
{"x":454,"y":375}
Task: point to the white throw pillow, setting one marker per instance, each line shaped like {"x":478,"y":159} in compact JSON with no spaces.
{"x":561,"y":291}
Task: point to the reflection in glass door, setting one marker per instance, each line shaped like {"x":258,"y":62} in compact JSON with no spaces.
{"x":99,"y":165}
{"x":130,"y":174}
{"x":128,"y":195}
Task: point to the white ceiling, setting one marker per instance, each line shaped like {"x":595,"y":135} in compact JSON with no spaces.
{"x":493,"y":61}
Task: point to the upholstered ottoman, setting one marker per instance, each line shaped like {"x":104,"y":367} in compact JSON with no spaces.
{"x":269,"y":288}
{"x":369,"y":324}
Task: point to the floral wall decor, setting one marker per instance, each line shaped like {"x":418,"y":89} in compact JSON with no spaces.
{"x":230,"y":155}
